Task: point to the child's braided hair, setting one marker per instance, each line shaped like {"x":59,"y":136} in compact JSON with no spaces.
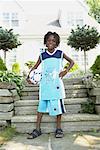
{"x":56,"y":36}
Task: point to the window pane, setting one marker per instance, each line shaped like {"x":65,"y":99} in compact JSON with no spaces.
{"x":15,"y":23}
{"x":6,"y":18}
{"x":14,"y":19}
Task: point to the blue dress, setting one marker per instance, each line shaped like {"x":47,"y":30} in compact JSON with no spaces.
{"x":51,"y":85}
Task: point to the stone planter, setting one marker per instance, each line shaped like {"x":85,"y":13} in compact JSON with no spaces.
{"x":95,"y":92}
{"x":6,"y":85}
{"x":97,"y":105}
{"x":8,"y":95}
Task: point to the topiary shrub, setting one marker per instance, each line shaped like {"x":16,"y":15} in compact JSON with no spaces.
{"x":2,"y":65}
{"x":84,"y":38}
{"x":8,"y":41}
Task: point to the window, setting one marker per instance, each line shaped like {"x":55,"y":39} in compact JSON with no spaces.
{"x":6,"y":18}
{"x":14,"y":19}
{"x":10,"y":19}
{"x":74,"y":19}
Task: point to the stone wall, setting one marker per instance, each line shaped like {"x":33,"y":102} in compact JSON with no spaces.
{"x":8,"y":95}
{"x":95,"y":94}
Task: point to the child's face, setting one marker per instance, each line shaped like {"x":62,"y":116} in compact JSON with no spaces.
{"x":51,"y":42}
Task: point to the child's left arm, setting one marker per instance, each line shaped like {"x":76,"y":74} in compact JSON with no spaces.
{"x":65,"y":71}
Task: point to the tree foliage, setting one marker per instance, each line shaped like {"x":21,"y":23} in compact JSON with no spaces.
{"x":94,"y":6}
{"x":8,"y":40}
{"x":84,"y":38}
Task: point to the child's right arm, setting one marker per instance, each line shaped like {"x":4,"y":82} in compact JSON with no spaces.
{"x":35,"y":66}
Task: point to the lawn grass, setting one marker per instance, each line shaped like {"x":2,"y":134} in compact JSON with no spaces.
{"x":7,"y":134}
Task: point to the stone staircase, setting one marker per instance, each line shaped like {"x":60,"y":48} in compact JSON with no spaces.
{"x":76,"y":93}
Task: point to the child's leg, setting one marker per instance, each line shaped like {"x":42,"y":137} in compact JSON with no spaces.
{"x":59,"y":121}
{"x":39,"y":118}
{"x":36,"y":132}
{"x":59,"y":131}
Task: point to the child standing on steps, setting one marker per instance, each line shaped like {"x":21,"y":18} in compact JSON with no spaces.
{"x":51,"y":92}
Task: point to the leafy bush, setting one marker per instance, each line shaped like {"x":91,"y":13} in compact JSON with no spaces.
{"x":12,"y":78}
{"x":88,"y":107}
{"x":96,"y":66}
{"x":16,"y":68}
{"x":2,"y":65}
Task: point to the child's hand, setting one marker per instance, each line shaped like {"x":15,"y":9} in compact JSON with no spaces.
{"x":28,"y":80}
{"x":63,"y":73}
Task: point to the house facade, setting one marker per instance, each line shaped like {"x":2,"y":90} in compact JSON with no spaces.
{"x":33,"y":19}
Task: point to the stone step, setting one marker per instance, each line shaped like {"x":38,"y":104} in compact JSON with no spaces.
{"x":70,"y":87}
{"x":73,"y":81}
{"x":76,"y":95}
{"x":67,"y":87}
{"x":32,"y":93}
{"x":67,"y":91}
{"x":68,"y":94}
{"x":27,"y":107}
{"x":26,"y":110}
{"x":32,"y":110}
{"x":33,"y":89}
{"x":29,"y":97}
{"x":35,"y":102}
{"x":71,"y":122}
